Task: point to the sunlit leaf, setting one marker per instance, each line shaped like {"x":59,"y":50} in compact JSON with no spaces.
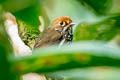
{"x":96,"y":73}
{"x":81,"y":54}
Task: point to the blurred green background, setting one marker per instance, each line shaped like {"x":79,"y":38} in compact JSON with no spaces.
{"x":94,"y":54}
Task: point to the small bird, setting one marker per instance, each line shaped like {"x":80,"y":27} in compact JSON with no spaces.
{"x":59,"y":32}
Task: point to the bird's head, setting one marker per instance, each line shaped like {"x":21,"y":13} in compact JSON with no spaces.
{"x":62,"y":23}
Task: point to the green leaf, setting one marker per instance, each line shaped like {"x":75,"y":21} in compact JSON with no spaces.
{"x":81,"y":54}
{"x":104,"y":30}
{"x":94,"y":73}
{"x":5,"y":50}
{"x":101,"y":7}
{"x":115,"y":9}
{"x":77,"y":11}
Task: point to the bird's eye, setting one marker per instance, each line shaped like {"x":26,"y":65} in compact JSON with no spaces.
{"x":62,"y":23}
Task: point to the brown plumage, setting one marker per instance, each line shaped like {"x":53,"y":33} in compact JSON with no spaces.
{"x":60,"y":31}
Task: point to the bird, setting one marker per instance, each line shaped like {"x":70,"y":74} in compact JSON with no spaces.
{"x":59,"y":32}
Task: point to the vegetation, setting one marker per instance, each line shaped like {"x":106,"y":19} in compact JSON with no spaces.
{"x":93,"y":55}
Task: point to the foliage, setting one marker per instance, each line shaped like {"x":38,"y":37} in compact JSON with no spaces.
{"x":97,"y":26}
{"x":104,"y":30}
{"x":5,"y":50}
{"x":28,"y":33}
{"x":101,"y":8}
{"x":81,"y":54}
{"x":87,"y":74}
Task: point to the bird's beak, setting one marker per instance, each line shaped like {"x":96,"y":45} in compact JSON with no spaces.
{"x":68,"y":26}
{"x":71,"y":24}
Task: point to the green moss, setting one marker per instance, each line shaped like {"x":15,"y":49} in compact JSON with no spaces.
{"x":28,"y":33}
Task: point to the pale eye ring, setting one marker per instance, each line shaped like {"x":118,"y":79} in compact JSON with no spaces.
{"x":62,"y":23}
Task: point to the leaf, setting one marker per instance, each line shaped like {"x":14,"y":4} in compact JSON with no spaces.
{"x":72,"y":8}
{"x":81,"y":54}
{"x":5,"y":50}
{"x":115,"y":9}
{"x":103,"y":30}
{"x":101,"y":7}
{"x":94,"y":73}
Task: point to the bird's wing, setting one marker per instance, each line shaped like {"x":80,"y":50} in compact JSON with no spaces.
{"x":49,"y":37}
